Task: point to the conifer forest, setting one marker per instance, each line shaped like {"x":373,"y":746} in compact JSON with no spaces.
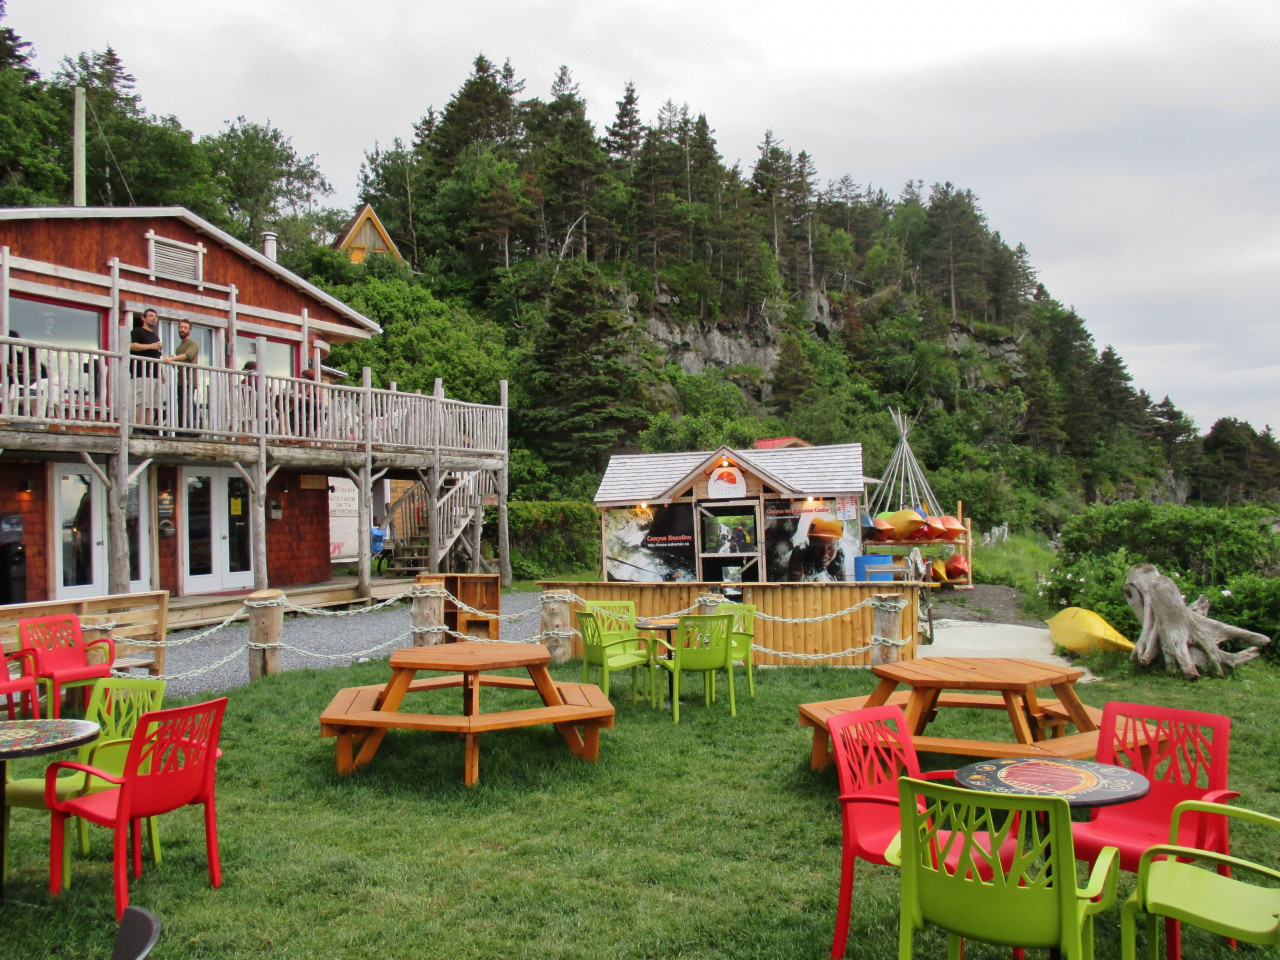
{"x":642,"y":294}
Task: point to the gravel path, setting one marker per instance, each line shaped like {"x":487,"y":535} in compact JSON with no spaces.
{"x":331,"y":641}
{"x":338,"y":640}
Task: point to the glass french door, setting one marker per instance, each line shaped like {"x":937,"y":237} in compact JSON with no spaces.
{"x":80,"y":546}
{"x":218,"y":548}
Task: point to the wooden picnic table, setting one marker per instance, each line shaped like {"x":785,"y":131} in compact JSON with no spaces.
{"x":360,"y":716}
{"x":988,"y":683}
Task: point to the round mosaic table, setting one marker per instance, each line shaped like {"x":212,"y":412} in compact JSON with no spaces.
{"x":1082,"y":783}
{"x":31,"y":738}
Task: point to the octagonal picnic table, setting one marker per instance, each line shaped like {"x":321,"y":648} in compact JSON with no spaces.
{"x":990,"y":683}
{"x":361,"y":716}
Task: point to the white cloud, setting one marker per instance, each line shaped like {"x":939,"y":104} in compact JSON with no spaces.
{"x":1131,"y":146}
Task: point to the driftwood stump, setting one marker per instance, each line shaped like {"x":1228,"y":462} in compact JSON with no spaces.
{"x":1183,"y":636}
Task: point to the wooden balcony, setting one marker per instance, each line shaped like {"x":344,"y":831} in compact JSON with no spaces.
{"x":59,"y":399}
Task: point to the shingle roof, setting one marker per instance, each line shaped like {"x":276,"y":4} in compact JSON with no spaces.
{"x":801,"y":471}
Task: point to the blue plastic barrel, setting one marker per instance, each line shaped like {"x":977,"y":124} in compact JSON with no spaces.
{"x":861,"y":565}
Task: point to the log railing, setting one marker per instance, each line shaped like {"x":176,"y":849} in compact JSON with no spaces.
{"x":42,"y":384}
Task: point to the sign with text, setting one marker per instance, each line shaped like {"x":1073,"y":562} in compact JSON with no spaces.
{"x":726,"y":483}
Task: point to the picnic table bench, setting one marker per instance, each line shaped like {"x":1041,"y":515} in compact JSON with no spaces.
{"x":359,"y":717}
{"x":1048,"y":723}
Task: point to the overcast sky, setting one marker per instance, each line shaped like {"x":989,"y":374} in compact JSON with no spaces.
{"x":1131,"y":146}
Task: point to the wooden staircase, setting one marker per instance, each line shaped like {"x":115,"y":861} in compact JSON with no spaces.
{"x":408,"y":547}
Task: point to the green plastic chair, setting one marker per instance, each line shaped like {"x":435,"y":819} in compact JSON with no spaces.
{"x":702,"y":646}
{"x":1031,"y":902}
{"x":1183,"y":889}
{"x":115,"y":704}
{"x":742,"y":636}
{"x":610,"y":650}
{"x":618,"y":617}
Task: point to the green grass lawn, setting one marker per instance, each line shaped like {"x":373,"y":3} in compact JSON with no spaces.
{"x":711,"y":839}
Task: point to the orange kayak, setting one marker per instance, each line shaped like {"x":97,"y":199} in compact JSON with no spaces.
{"x":932,"y":529}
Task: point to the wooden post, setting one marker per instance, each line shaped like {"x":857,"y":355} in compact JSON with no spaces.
{"x":477,"y":530}
{"x":258,"y":488}
{"x":886,"y":624}
{"x":118,"y":495}
{"x":93,"y":628}
{"x":117,"y":512}
{"x":266,"y":626}
{"x":428,"y":612}
{"x":364,"y":522}
{"x":433,"y":486}
{"x":708,"y":604}
{"x":555,"y":619}
{"x":504,"y":538}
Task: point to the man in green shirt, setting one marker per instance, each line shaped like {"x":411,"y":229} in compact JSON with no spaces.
{"x":188,"y":352}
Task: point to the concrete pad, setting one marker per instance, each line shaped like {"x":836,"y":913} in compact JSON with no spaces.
{"x":966,"y":638}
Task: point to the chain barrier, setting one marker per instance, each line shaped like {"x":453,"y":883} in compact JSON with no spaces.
{"x":432,"y":591}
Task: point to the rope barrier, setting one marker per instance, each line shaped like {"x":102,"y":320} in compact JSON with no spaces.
{"x":441,"y":631}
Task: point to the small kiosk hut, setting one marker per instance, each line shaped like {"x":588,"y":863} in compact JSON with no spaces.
{"x":787,"y":514}
{"x":778,"y":528}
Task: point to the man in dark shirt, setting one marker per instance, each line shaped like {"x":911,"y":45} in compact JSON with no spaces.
{"x":144,"y":347}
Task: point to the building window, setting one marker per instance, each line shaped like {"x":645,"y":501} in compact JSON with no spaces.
{"x":58,"y":323}
{"x":279,"y":356}
{"x":175,"y":259}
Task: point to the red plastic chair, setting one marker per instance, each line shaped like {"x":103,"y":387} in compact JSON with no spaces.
{"x":872,"y":750}
{"x":23,"y":685}
{"x":62,"y":656}
{"x":172,"y":763}
{"x":1184,"y":753}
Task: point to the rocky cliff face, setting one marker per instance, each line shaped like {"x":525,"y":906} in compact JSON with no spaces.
{"x":1003,"y":352}
{"x":695,"y":347}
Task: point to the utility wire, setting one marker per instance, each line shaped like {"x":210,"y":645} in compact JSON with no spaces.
{"x":110,"y":153}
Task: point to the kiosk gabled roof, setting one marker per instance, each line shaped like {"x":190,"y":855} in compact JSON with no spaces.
{"x":830,"y":471}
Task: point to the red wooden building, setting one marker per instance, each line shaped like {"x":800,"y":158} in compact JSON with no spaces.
{"x":120,"y":473}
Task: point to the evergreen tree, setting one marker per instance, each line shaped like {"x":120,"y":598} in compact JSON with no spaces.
{"x":768,"y":177}
{"x":624,"y":136}
{"x":15,"y":53}
{"x":956,"y":254}
{"x":31,"y":126}
{"x":585,"y":376}
{"x":792,"y":376}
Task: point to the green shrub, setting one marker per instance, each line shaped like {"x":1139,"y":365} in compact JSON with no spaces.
{"x":1209,"y":544}
{"x":1252,"y":602}
{"x":550,"y":538}
{"x":1095,"y":583}
{"x":1228,"y":554}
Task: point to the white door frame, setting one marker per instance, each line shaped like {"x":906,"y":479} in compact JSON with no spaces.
{"x":100,"y":561}
{"x":96,"y":534}
{"x":221,"y":578}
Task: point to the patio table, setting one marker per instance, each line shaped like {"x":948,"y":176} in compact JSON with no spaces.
{"x":33,"y":738}
{"x":986,"y":683}
{"x":1082,"y":783}
{"x":360,"y":716}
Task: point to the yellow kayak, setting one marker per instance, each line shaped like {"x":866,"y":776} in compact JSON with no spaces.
{"x":1082,"y":631}
{"x":904,"y":522}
